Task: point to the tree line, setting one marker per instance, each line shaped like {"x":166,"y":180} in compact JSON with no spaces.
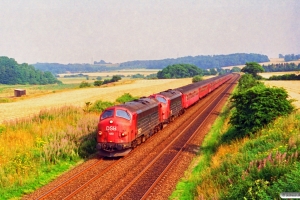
{"x":201,"y":61}
{"x":188,"y":70}
{"x":13,"y":73}
{"x":285,"y":77}
{"x":179,"y":71}
{"x":290,"y":57}
{"x":281,"y":67}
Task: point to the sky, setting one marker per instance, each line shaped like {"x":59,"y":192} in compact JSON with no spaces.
{"x":84,"y":31}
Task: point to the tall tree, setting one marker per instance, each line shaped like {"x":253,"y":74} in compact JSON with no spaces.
{"x":13,"y":73}
{"x":253,"y":68}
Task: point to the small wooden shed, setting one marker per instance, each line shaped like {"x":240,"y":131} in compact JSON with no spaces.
{"x":20,"y":92}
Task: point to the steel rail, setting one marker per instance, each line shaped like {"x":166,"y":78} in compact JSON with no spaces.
{"x":48,"y":193}
{"x":92,"y":179}
{"x":147,"y":193}
{"x":163,"y":151}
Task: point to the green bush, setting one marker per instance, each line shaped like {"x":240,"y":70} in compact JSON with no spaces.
{"x":257,"y":107}
{"x":197,"y":78}
{"x":99,"y":106}
{"x":125,"y":98}
{"x":98,"y":83}
{"x":137,"y":76}
{"x":115,"y":78}
{"x":246,"y":82}
{"x":84,"y":84}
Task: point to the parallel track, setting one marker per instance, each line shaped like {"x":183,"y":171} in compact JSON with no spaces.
{"x":87,"y":175}
{"x":146,"y":180}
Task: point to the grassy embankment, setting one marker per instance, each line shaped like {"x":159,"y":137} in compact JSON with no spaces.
{"x":260,"y":166}
{"x":35,"y":150}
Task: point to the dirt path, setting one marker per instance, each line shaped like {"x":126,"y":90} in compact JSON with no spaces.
{"x":30,"y":106}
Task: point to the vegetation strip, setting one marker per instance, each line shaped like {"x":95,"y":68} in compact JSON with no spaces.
{"x":258,"y":160}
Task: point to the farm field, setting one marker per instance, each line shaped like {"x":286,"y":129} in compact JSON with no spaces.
{"x":269,"y":74}
{"x":272,"y":61}
{"x":117,"y":72}
{"x":293,"y":88}
{"x":37,"y":101}
{"x":104,"y":75}
{"x":78,"y":97}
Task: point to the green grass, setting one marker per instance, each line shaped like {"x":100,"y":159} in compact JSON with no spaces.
{"x":45,"y":174}
{"x":35,"y":150}
{"x":260,"y":166}
{"x":186,"y":188}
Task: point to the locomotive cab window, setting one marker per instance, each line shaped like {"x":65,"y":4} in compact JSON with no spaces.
{"x":107,"y":114}
{"x":161,"y":99}
{"x":124,"y":114}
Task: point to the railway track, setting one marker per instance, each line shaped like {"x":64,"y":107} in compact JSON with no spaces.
{"x":68,"y":189}
{"x":142,"y":186}
{"x":142,"y":173}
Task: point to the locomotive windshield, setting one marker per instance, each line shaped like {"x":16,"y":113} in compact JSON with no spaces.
{"x":124,"y":114}
{"x":107,"y":114}
{"x":161,"y":99}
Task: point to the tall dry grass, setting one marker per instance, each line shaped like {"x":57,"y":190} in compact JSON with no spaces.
{"x":254,"y":167}
{"x":65,"y":133}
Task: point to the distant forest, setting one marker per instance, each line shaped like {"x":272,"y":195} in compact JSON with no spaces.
{"x":282,"y":67}
{"x":290,"y":57}
{"x":202,"y":62}
{"x":12,"y":73}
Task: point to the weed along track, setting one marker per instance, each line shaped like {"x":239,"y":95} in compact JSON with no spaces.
{"x":152,"y":169}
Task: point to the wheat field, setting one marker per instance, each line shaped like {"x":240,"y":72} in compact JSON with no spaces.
{"x":292,"y":87}
{"x":30,"y":106}
{"x":78,"y":97}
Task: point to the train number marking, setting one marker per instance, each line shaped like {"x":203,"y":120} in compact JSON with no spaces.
{"x":111,"y":128}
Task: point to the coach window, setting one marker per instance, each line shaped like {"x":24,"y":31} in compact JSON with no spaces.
{"x":124,"y":114}
{"x":107,"y":114}
{"x":161,"y":99}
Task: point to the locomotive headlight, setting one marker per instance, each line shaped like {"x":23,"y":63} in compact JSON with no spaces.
{"x":123,"y":134}
{"x":111,"y":121}
{"x":99,"y":132}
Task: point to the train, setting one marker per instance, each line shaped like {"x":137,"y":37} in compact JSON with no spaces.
{"x":123,"y":127}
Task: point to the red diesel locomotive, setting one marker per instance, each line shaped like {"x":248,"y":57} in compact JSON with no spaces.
{"x":122,"y":127}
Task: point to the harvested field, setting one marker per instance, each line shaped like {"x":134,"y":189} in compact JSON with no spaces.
{"x":272,"y":61}
{"x":78,"y":97}
{"x":269,"y":74}
{"x":117,"y":72}
{"x":30,"y":106}
{"x":293,"y":88}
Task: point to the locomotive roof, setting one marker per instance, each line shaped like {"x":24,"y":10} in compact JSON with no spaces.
{"x":140,"y":105}
{"x":171,"y":94}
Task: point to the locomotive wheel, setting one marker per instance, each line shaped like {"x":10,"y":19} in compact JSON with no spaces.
{"x":134,"y":144}
{"x":151,"y":132}
{"x":161,"y":126}
{"x":143,"y":138}
{"x":139,"y":140}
